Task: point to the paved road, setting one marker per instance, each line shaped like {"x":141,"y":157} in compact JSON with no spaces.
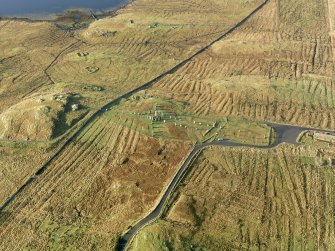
{"x":116,"y":102}
{"x":284,"y":134}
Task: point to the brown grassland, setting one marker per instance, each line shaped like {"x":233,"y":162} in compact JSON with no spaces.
{"x":278,"y":66}
{"x":244,"y":199}
{"x":92,"y":66}
{"x":114,"y":171}
{"x":109,"y":177}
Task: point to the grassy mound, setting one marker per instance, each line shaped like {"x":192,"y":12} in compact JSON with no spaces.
{"x":39,"y":118}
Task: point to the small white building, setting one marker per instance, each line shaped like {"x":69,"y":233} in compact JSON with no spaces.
{"x":75,"y":107}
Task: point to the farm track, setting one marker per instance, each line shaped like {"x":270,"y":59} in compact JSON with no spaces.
{"x":46,"y":70}
{"x":40,"y":45}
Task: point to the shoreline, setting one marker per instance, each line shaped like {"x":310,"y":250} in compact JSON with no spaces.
{"x":111,"y":12}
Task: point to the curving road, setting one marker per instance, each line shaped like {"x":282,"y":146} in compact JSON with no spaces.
{"x":118,"y":99}
{"x":284,"y":134}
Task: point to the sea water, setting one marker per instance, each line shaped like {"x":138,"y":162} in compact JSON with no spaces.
{"x":43,"y":9}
